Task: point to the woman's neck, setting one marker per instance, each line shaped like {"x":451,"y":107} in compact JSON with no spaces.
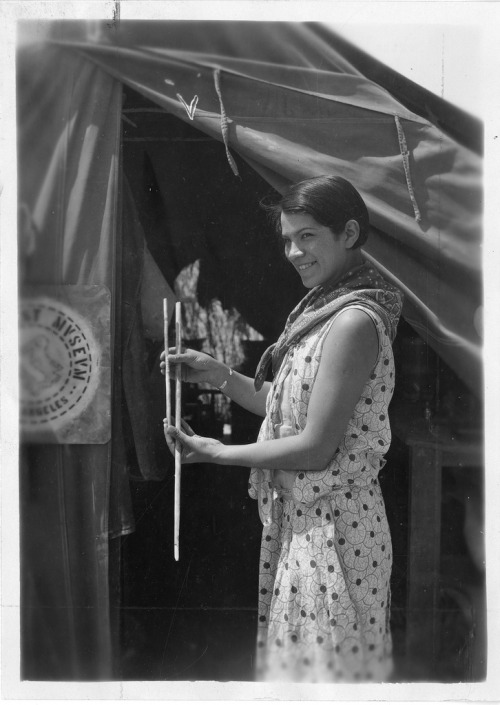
{"x":355,"y":259}
{"x":351,"y":264}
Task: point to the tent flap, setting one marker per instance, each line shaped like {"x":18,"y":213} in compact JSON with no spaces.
{"x":73,"y":497}
{"x":423,"y":189}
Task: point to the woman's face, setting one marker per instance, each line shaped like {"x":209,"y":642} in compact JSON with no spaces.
{"x":319,"y":256}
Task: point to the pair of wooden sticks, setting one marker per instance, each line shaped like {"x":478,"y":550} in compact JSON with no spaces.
{"x":178,"y":449}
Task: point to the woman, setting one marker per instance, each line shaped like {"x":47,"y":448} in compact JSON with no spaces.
{"x":326,"y":550}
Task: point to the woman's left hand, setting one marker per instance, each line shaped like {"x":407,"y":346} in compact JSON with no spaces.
{"x":195,"y":449}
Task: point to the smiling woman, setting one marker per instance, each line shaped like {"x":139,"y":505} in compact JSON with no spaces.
{"x":323,"y":223}
{"x":326,"y":552}
{"x":319,"y":255}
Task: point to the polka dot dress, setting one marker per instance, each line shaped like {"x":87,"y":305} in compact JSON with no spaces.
{"x":326,"y":554}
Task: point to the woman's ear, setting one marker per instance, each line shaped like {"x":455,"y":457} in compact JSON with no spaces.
{"x":352,"y":233}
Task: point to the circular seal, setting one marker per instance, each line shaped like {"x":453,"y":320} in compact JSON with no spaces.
{"x":58,"y":364}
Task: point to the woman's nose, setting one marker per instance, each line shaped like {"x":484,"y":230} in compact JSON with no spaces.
{"x":294,"y":251}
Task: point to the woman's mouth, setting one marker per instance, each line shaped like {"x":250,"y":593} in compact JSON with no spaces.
{"x":302,"y":267}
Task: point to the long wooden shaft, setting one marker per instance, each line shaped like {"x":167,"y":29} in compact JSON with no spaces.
{"x":168,"y":396}
{"x":177,"y":508}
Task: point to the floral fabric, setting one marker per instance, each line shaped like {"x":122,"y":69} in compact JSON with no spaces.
{"x":326,"y":553}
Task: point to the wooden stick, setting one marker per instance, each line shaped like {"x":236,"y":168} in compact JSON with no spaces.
{"x":178,"y":451}
{"x":168,"y":399}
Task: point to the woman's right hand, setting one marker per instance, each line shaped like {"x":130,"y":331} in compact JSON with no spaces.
{"x":196,"y":367}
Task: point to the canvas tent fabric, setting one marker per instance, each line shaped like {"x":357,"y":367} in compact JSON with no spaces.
{"x":282,"y":98}
{"x":301,"y":110}
{"x":65,"y":490}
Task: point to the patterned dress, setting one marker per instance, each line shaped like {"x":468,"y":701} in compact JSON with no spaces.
{"x":326,"y":553}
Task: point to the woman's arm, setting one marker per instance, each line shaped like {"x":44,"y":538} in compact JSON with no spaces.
{"x":199,"y":367}
{"x":240,"y":389}
{"x":349,"y":355}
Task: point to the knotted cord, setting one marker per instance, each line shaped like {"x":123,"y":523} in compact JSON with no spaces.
{"x":224,"y":124}
{"x":406,"y":163}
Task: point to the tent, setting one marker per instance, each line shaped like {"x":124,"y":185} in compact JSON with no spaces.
{"x":214,"y":115}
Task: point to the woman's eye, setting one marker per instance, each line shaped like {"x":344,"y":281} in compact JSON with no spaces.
{"x":305,"y":235}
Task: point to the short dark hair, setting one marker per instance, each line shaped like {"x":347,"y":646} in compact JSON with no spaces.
{"x":330,"y":200}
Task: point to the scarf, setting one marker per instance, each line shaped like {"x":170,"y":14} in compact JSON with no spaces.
{"x":363,"y":284}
